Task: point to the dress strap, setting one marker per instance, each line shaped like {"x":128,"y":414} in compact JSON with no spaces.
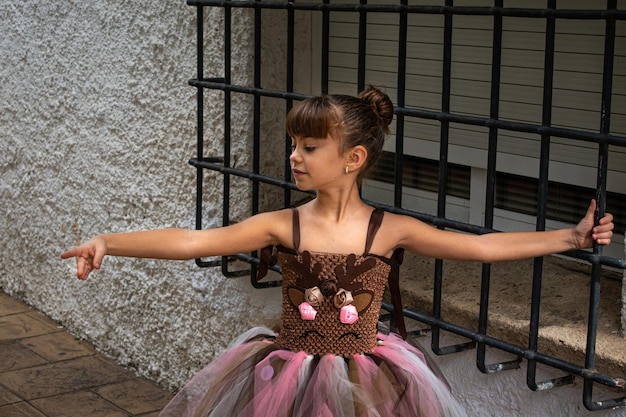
{"x":394,"y":289}
{"x":267,"y":259}
{"x":375,"y":221}
{"x":393,"y":280}
{"x":296,"y":229}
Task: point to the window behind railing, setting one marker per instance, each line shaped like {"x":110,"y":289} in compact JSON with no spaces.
{"x":521,"y":97}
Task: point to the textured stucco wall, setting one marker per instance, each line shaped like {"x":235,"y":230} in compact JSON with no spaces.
{"x":505,"y":394}
{"x":97,"y":123}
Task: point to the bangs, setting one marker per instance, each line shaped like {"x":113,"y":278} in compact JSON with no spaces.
{"x":315,"y":117}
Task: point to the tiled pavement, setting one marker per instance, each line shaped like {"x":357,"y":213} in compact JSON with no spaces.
{"x":46,"y":372}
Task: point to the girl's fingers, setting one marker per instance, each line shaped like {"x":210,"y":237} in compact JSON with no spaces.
{"x":97,"y":258}
{"x":603,"y":233}
{"x":80,"y":267}
{"x":607,"y":219}
{"x":69,"y":253}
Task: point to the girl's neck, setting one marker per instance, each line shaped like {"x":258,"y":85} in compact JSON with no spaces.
{"x":337,"y":206}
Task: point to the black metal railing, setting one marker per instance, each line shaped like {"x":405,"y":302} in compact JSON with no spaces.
{"x":603,"y":138}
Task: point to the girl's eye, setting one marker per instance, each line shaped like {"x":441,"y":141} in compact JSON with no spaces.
{"x":307,"y":149}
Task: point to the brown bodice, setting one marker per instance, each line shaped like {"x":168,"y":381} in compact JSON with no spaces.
{"x":331,"y":302}
{"x":363,"y":276}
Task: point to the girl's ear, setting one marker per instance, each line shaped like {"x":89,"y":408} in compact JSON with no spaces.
{"x":356,"y":158}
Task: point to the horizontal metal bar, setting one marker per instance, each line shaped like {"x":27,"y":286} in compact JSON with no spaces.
{"x":516,"y":126}
{"x":399,"y":8}
{"x":216,"y":84}
{"x":568,"y":367}
{"x":255,"y":261}
{"x":214,"y":165}
{"x":593,"y":258}
{"x":204,"y":163}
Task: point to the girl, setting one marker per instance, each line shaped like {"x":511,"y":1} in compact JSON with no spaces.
{"x":336,"y":254}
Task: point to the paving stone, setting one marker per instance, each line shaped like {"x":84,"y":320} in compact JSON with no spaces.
{"x":78,"y":404}
{"x":9,"y":305}
{"x":20,"y":410}
{"x":58,"y":346}
{"x":63,"y":377}
{"x":136,"y":396}
{"x":7,"y":397}
{"x":45,"y":320}
{"x":15,"y":356}
{"x":19,"y":326}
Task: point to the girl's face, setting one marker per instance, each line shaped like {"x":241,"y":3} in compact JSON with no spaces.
{"x":317,"y":163}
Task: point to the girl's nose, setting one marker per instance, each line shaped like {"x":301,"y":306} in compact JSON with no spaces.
{"x":295,"y":155}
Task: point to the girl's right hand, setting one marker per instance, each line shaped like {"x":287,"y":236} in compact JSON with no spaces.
{"x":88,"y":256}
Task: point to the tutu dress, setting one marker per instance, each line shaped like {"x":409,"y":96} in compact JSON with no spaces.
{"x":329,"y":360}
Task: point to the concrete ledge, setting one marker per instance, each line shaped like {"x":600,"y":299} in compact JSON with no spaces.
{"x":564,"y":305}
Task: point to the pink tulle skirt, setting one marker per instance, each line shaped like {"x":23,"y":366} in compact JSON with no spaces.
{"x":255,"y":377}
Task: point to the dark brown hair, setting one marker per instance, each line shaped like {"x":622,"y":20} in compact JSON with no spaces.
{"x":362,"y":120}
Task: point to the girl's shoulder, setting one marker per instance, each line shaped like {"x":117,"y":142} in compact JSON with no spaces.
{"x":395,"y":220}
{"x":277,"y":223}
{"x":402,"y":220}
{"x":400,"y":227}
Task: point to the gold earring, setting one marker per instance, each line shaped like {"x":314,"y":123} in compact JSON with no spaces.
{"x":347,"y":169}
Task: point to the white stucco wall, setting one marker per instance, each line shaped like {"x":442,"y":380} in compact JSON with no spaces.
{"x":97,"y":123}
{"x":505,"y":394}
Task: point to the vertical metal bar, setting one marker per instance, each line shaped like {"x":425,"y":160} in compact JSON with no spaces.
{"x":362,"y":58}
{"x":256,"y":123}
{"x":200,"y":128}
{"x":199,"y":114}
{"x":256,"y":138}
{"x":400,"y":102}
{"x":445,"y":108}
{"x":441,"y":203}
{"x":603,"y":151}
{"x":227,"y":108}
{"x":362,"y":48}
{"x":289,"y":101}
{"x":325,"y":48}
{"x":443,"y":182}
{"x":542,"y":203}
{"x":227,"y":125}
{"x":490,"y":197}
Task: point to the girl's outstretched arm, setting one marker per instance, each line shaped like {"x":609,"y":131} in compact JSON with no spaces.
{"x":493,"y":247}
{"x":252,"y":234}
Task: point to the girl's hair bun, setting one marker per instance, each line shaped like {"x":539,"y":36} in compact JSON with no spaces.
{"x":381,"y":104}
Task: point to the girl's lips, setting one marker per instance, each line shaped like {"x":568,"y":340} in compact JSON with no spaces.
{"x":297,"y":172}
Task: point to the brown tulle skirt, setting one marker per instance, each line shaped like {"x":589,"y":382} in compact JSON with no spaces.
{"x":256,"y":377}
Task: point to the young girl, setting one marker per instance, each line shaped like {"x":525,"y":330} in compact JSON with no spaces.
{"x":336,"y":254}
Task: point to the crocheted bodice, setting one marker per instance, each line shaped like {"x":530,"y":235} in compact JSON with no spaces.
{"x":331,"y":302}
{"x":326,"y":320}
